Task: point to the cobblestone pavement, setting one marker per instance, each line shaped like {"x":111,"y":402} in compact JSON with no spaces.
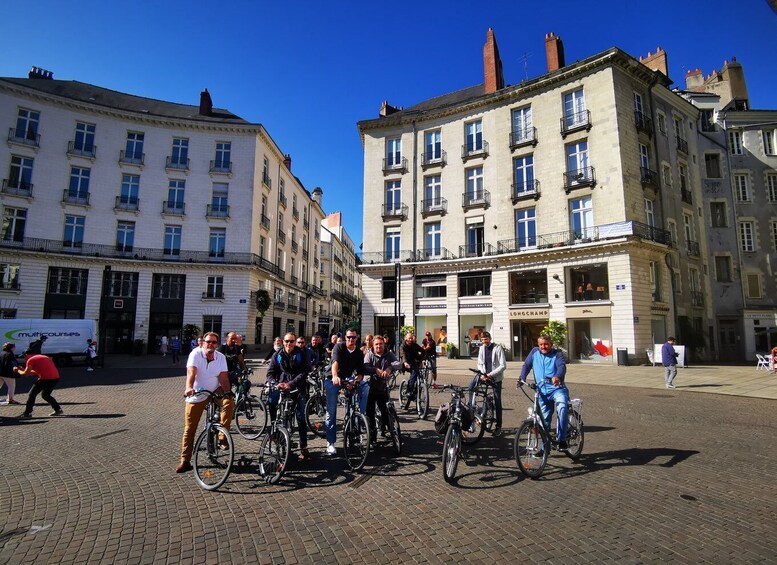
{"x":665,"y":475}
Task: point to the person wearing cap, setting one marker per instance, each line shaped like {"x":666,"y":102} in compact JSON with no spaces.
{"x":430,"y":350}
{"x":48,"y":377}
{"x":37,"y":345}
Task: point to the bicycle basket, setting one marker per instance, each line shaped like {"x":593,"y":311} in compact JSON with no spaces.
{"x":442,"y":419}
{"x":576,"y":404}
{"x":466,"y":416}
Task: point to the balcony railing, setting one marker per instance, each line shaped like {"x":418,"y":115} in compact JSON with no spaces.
{"x":306,"y":223}
{"x":281,"y":274}
{"x":393,"y":166}
{"x":24,"y":137}
{"x":294,"y":246}
{"x":648,"y":177}
{"x":305,"y":254}
{"x":575,"y":122}
{"x":217,"y":211}
{"x":379,"y":258}
{"x":337,"y":259}
{"x":279,"y":304}
{"x":281,"y":236}
{"x":697,"y":299}
{"x":693,"y":248}
{"x":338,"y":277}
{"x":434,"y":159}
{"x":685,"y":195}
{"x":17,"y":187}
{"x":176,"y":164}
{"x":294,"y":280}
{"x":479,"y":199}
{"x":526,"y":190}
{"x":282,"y":200}
{"x":682,"y":145}
{"x":295,"y":213}
{"x":79,"y":198}
{"x":476,"y":250}
{"x":132,"y":158}
{"x":433,"y":254}
{"x":127,"y":203}
{"x":213,"y":295}
{"x":266,"y":180}
{"x":265,"y":222}
{"x":432,"y":206}
{"x":579,"y":178}
{"x":81,"y":150}
{"x":472,"y":151}
{"x":291,"y":307}
{"x":221,"y":167}
{"x":173,"y":208}
{"x":303,"y":308}
{"x":394,"y":212}
{"x":523,"y":137}
{"x":643,"y":122}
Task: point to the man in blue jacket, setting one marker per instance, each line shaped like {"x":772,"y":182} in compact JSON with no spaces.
{"x":669,"y":361}
{"x":550,"y":368}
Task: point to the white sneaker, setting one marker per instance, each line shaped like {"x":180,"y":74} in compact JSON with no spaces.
{"x":89,"y":369}
{"x":331,"y":449}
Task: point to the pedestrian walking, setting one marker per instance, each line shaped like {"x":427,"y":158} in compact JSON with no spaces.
{"x":48,"y":377}
{"x":669,"y":361}
{"x":175,"y":349}
{"x":7,"y":375}
{"x":90,"y":352}
{"x":36,"y":346}
{"x":163,"y":345}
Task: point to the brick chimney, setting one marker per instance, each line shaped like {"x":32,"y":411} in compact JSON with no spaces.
{"x":656,"y":61}
{"x":37,"y":72}
{"x":734,"y":74}
{"x":206,"y":104}
{"x":287,"y":161}
{"x":492,"y":64}
{"x":694,"y":80}
{"x":318,"y":195}
{"x":554,"y":52}
{"x":387,"y":109}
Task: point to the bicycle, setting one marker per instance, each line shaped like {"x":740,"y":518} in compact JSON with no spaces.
{"x":356,"y":431}
{"x":459,"y":418}
{"x":250,"y":410}
{"x":276,"y":445}
{"x":315,"y":407}
{"x":483,"y":407}
{"x":212,"y":463}
{"x":394,"y":429}
{"x":421,"y":394}
{"x":534,"y":438}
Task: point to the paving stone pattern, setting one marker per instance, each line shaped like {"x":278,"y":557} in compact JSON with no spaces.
{"x":665,"y":476}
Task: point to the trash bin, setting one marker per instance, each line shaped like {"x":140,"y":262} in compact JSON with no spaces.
{"x":623,"y":356}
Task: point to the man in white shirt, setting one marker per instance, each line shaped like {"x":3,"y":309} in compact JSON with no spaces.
{"x":206,"y":369}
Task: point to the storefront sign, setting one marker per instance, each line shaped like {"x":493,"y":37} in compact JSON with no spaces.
{"x":430,"y":306}
{"x":475,"y":305}
{"x":529,"y":314}
{"x":323,"y":319}
{"x":588,"y":311}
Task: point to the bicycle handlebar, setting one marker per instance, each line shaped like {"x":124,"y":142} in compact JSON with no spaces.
{"x":212,"y":393}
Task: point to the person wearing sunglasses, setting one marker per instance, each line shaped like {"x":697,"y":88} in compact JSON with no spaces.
{"x":347,"y":359}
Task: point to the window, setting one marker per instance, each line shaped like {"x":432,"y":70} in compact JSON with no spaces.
{"x":473,"y":135}
{"x":218,"y":242}
{"x":655,"y":280}
{"x":678,"y":128}
{"x":388,"y":288}
{"x":175,"y":193}
{"x":168,"y":286}
{"x":574,"y":109}
{"x":735,"y":146}
{"x":262,"y":245}
{"x":666,"y":173}
{"x":130,"y":186}
{"x":689,"y":229}
{"x":27,"y":122}
{"x":524,"y":174}
{"x":219,"y":199}
{"x":172,"y":241}
{"x":433,"y":145}
{"x":723,"y":268}
{"x":638,"y":106}
{"x":266,"y":173}
{"x":644,"y":156}
{"x":122,"y":284}
{"x":746,"y":237}
{"x":282,"y":191}
{"x":20,"y":173}
{"x":134,"y":148}
{"x":582,"y":217}
{"x":712,"y":165}
{"x":526,"y":228}
{"x":529,"y":287}
{"x":771,"y":186}
{"x":650,"y":214}
{"x":718,"y":214}
{"x":125,"y":236}
{"x":393,"y":152}
{"x":475,"y":239}
{"x":9,"y":276}
{"x":661,"y":122}
{"x":672,"y":227}
{"x":215,"y":287}
{"x":67,"y":281}
{"x":430,"y":287}
{"x":577,"y":162}
{"x":523,"y":130}
{"x":742,"y":188}
{"x":223,"y":159}
{"x":773,"y":233}
{"x":707,"y":120}
{"x":589,"y":282}
{"x":770,"y":141}
{"x":475,"y":284}
{"x":393,"y":197}
{"x":84,"y":138}
{"x":475,"y":185}
{"x":7,"y":313}
{"x":433,"y":192}
{"x":180,"y":156}
{"x":78,"y":190}
{"x":432,"y":241}
{"x":693,"y":279}
{"x":14,"y":220}
{"x":753,"y":285}
{"x":279,"y":259}
{"x":211,"y":324}
{"x":74,"y":231}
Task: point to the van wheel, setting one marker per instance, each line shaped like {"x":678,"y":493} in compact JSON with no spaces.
{"x":62,"y":360}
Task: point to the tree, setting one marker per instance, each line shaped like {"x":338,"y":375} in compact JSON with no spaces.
{"x":404,"y":330}
{"x":557,"y":332}
{"x":190,"y":331}
{"x":262,"y":301}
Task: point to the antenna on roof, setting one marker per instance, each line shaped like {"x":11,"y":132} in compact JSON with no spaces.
{"x":525,"y":60}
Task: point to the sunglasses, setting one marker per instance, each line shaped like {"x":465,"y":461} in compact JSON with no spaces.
{"x":350,"y":337}
{"x":288,"y":341}
{"x":210,"y":341}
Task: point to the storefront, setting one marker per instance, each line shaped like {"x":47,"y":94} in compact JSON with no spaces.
{"x":474,"y":318}
{"x":431,"y":318}
{"x":590,"y":333}
{"x":526,"y":326}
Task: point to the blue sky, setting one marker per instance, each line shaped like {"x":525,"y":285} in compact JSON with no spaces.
{"x":309,"y":70}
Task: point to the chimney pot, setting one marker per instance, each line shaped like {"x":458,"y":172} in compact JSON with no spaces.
{"x":206,"y":103}
{"x":287,"y":161}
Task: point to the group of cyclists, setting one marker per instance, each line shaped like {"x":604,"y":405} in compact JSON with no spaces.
{"x":365,"y":368}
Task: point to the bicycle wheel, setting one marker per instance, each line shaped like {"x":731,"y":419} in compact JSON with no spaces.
{"x":575,"y":436}
{"x":212,"y":464}
{"x":489,"y":414}
{"x":404,"y":398}
{"x":473,"y":434}
{"x":422,"y":398}
{"x":394,"y":430}
{"x":530,"y":450}
{"x":315,"y":414}
{"x":250,"y":417}
{"x":392,"y":382}
{"x":274,"y":455}
{"x":451,"y":449}
{"x":356,"y":441}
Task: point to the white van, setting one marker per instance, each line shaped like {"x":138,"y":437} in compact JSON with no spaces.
{"x":65,"y":339}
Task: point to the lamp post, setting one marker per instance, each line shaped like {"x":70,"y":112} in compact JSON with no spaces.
{"x":397,"y":307}
{"x":103,"y":310}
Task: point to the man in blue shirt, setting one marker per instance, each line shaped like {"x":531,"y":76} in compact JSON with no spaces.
{"x":669,"y":361}
{"x":550,"y":368}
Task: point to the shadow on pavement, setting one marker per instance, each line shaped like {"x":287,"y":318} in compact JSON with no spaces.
{"x":12,"y":421}
{"x":71,"y":377}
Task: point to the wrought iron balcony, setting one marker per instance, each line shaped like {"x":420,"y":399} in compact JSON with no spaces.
{"x":393,"y":166}
{"x":176,"y":164}
{"x":476,"y":250}
{"x":479,"y":199}
{"x":643,"y":123}
{"x":133,"y":158}
{"x":131,"y":203}
{"x":575,"y":122}
{"x":469,"y":151}
{"x":337,"y":259}
{"x":294,"y":246}
{"x":17,"y":187}
{"x":282,"y":200}
{"x":173,"y":208}
{"x":523,"y":137}
{"x":685,"y":195}
{"x":221,"y":167}
{"x":697,"y":299}
{"x":217,"y":211}
{"x":294,"y":280}
{"x":306,"y":223}
{"x":693,"y":248}
{"x":281,"y":236}
{"x":525,"y":190}
{"x":682,"y":145}
{"x":213,"y":295}
{"x":338,"y":277}
{"x":394,"y":212}
{"x":88,"y":150}
{"x":266,"y":180}
{"x":303,"y":308}
{"x":434,"y":159}
{"x":279,"y":304}
{"x":648,"y":178}
{"x":305,"y":254}
{"x":295,"y":213}
{"x":379,"y":258}
{"x":79,"y":198}
{"x":291,"y":307}
{"x":265,"y":222}
{"x":433,"y":254}
{"x":514,"y":245}
{"x":579,"y":178}
{"x":24,"y":137}
{"x":432,"y":206}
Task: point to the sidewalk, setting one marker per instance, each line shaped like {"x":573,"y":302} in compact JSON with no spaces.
{"x":731,"y":380}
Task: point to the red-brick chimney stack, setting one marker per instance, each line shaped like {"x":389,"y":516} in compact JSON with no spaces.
{"x":554,"y":52}
{"x":656,"y":61}
{"x":287,"y":161}
{"x":492,"y":64}
{"x":206,"y":104}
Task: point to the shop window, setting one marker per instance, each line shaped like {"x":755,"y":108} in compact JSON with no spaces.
{"x":529,"y":287}
{"x":389,"y":285}
{"x":589,"y":282}
{"x":475,"y":284}
{"x":430,"y":287}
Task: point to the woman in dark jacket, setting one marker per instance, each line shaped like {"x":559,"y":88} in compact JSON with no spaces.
{"x":7,"y":363}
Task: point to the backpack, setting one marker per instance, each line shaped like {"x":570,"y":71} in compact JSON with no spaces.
{"x":442,"y":419}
